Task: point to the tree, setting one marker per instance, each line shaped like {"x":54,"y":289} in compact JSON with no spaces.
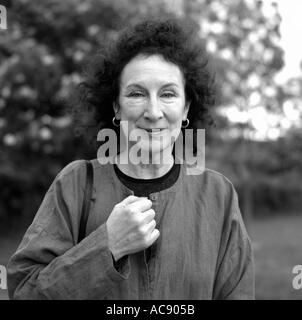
{"x":48,"y":42}
{"x":42,"y":55}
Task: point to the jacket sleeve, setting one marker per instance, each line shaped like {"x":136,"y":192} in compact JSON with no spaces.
{"x":49,"y":264}
{"x":235,"y":279}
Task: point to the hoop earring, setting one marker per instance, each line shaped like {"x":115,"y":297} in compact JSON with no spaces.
{"x":115,"y":123}
{"x":186,"y":125}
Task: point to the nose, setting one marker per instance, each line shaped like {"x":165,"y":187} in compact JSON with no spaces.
{"x":153,"y":111}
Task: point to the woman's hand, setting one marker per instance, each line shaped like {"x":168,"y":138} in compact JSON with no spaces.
{"x":131,"y":226}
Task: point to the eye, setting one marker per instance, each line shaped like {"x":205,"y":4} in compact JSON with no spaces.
{"x":136,"y":94}
{"x":168,"y":94}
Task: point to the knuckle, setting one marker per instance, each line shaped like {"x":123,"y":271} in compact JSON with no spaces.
{"x":136,"y":219}
{"x":119,"y":206}
{"x":141,"y":231}
{"x":130,"y":211}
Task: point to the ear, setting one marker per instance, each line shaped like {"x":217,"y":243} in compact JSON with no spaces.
{"x":116,"y":109}
{"x":186,"y":110}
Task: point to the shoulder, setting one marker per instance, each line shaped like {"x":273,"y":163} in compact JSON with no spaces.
{"x":218,"y":179}
{"x":215,"y":191}
{"x":210,"y":180}
{"x":72,"y":176}
{"x":75,"y":173}
{"x":63,"y":198}
{"x":217,"y":176}
{"x":72,"y":168}
{"x":79,"y":166}
{"x":221,"y":187}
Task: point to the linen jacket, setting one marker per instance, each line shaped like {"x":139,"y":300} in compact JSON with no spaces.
{"x":203,"y":251}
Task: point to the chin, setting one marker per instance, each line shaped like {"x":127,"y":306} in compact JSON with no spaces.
{"x":156,"y":149}
{"x":153,"y":148}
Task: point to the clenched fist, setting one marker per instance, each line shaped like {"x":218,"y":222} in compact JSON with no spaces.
{"x":131,"y":226}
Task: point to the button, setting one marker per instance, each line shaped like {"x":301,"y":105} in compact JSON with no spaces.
{"x":153,"y":196}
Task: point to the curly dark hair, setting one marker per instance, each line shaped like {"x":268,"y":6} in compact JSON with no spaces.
{"x":176,"y":42}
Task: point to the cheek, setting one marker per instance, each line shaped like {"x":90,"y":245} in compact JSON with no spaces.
{"x":131,"y":111}
{"x":174,"y":115}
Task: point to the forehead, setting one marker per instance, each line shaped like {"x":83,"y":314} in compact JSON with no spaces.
{"x":151,"y":69}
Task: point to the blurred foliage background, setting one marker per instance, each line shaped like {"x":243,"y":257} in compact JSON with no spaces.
{"x":256,"y":141}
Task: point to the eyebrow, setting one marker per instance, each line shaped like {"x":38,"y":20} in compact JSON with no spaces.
{"x":138,"y":85}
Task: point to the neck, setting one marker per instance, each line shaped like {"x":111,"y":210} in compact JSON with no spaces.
{"x":157,"y":166}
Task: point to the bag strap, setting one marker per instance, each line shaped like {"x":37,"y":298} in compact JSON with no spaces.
{"x":86,"y":201}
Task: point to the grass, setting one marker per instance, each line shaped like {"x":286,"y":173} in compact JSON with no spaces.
{"x":277,"y":246}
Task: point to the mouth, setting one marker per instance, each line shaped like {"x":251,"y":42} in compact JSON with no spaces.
{"x":153,"y":131}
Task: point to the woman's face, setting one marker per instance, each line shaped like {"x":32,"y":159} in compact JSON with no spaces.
{"x":152,"y":100}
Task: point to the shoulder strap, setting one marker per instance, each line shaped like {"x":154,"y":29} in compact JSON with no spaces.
{"x":86,"y":201}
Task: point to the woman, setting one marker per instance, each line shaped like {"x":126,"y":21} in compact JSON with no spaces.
{"x":153,"y":231}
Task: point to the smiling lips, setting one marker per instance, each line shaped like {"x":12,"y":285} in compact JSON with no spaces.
{"x":153,"y":131}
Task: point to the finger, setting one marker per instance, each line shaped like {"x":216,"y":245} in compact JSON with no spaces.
{"x":142,"y":204}
{"x":128,"y":200}
{"x":147,"y":216}
{"x":151,"y":226}
{"x":154,"y":236}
